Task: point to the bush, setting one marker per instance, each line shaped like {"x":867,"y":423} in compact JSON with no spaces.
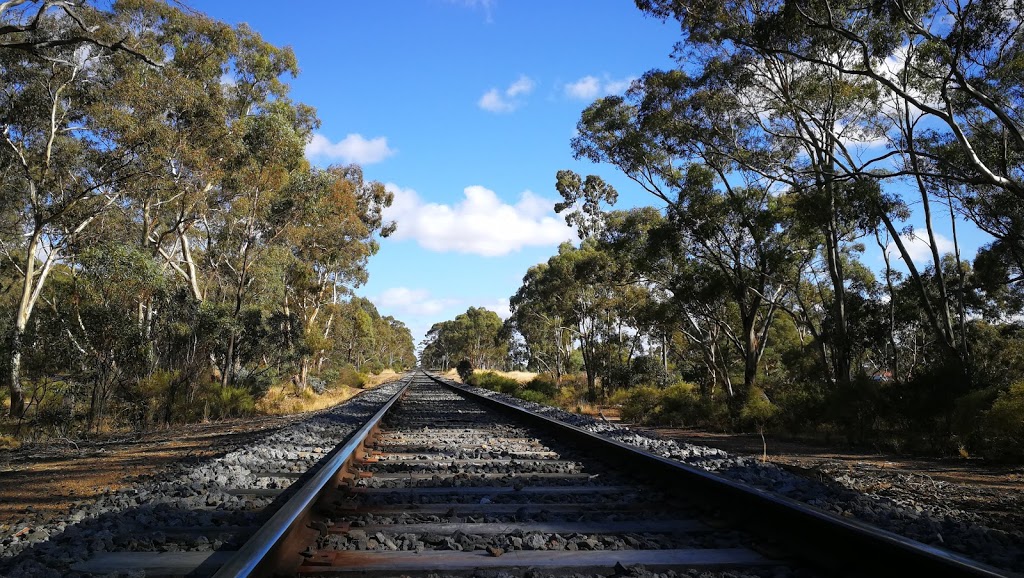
{"x":465,"y":370}
{"x":349,"y":377}
{"x":494,"y":382}
{"x":640,"y":404}
{"x":230,"y":401}
{"x":757,"y":409}
{"x":1005,"y":425}
{"x":680,"y":405}
{"x":544,"y":385}
{"x":373,"y":367}
{"x":257,"y":383}
{"x":317,"y":385}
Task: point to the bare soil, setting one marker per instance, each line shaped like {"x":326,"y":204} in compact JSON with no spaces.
{"x":40,"y":482}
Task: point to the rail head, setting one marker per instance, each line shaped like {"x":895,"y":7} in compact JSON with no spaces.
{"x":253,"y":557}
{"x":842,"y":542}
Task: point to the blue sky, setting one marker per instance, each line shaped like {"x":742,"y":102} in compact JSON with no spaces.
{"x":465,"y":108}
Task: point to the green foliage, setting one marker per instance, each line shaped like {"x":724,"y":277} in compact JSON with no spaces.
{"x":495,"y":382}
{"x":1004,"y":425}
{"x":680,"y":404}
{"x":758,"y":409}
{"x":475,"y":335}
{"x":221,"y":264}
{"x":228,"y":402}
{"x":639,"y":405}
{"x":544,"y":385}
{"x":349,"y":377}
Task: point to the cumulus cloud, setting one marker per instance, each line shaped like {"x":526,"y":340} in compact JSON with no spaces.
{"x":501,"y":307}
{"x":591,"y":87}
{"x":504,"y":101}
{"x":411,"y":301}
{"x":918,"y":247}
{"x":354,"y":148}
{"x":481,"y":224}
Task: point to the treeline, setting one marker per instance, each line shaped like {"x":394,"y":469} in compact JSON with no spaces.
{"x":790,"y":138}
{"x":167,"y":251}
{"x":475,"y":336}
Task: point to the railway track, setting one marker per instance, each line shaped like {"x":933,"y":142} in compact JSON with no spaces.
{"x":442,"y":482}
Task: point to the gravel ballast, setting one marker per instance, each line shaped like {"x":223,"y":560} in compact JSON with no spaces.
{"x":190,"y":507}
{"x":899,"y":507}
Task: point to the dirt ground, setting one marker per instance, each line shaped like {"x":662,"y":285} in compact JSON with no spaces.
{"x":39,"y":482}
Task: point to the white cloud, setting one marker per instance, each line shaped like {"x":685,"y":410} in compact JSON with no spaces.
{"x":591,"y":87}
{"x":486,"y":5}
{"x":411,"y":301}
{"x":501,"y":307}
{"x":354,"y":148}
{"x":503,"y":101}
{"x":522,"y":85}
{"x":918,"y":247}
{"x":493,"y":101}
{"x":481,"y":224}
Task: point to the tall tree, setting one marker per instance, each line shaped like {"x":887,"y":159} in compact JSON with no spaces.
{"x":60,"y":168}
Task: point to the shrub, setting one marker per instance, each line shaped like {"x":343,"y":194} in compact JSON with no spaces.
{"x":640,"y":404}
{"x":230,"y":401}
{"x":680,"y":405}
{"x":543,"y":384}
{"x":1005,"y":425}
{"x":257,"y":383}
{"x":349,"y":377}
{"x":373,"y":367}
{"x":465,"y":370}
{"x":317,"y":385}
{"x":494,"y":382}
{"x":759,"y":410}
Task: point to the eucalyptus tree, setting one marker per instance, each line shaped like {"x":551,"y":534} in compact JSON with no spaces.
{"x":25,"y":26}
{"x":948,"y":96}
{"x":474,"y":335}
{"x":60,"y":168}
{"x":328,"y":220}
{"x":728,"y":218}
{"x":539,"y":315}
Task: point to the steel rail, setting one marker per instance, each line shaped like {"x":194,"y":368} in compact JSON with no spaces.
{"x":256,"y":555}
{"x":839,"y":544}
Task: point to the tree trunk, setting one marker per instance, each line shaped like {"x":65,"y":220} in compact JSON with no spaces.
{"x":14,"y":375}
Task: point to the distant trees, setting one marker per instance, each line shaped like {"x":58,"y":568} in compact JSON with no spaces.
{"x":475,"y":335}
{"x":164,"y":242}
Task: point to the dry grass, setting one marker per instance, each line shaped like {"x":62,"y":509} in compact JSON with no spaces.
{"x":381,"y":378}
{"x":286,"y":399}
{"x":9,"y":442}
{"x":520,"y":376}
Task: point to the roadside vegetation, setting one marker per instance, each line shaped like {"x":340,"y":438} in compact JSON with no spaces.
{"x":790,"y":274}
{"x":167,"y":254}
